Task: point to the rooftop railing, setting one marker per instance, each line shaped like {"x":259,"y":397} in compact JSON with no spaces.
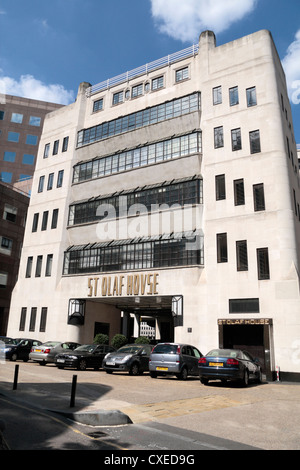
{"x":144,"y":69}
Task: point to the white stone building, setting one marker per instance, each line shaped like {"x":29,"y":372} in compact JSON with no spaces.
{"x":176,"y":199}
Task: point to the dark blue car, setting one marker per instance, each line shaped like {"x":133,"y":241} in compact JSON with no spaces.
{"x":229,"y":364}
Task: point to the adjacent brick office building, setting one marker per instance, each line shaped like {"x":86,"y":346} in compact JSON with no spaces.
{"x":174,"y":197}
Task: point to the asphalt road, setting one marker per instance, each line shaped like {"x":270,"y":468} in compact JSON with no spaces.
{"x":165,"y":414}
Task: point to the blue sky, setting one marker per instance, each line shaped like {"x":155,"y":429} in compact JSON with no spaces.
{"x":47,"y":48}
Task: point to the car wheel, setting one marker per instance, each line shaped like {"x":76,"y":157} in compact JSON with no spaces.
{"x":134,"y":369}
{"x":14,"y":357}
{"x":109,"y":371}
{"x":204,"y":381}
{"x":82,"y":364}
{"x":153,"y":375}
{"x":42,"y":363}
{"x":245,"y":381}
{"x":183,"y":374}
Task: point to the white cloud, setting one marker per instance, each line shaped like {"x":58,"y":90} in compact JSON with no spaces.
{"x":291,"y":65}
{"x":30,"y":87}
{"x":186,"y":19}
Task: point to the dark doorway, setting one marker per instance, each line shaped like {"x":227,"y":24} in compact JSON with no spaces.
{"x":253,"y":338}
{"x":101,"y":328}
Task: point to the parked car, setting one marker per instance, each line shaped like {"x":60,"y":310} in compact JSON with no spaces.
{"x":176,"y":359}
{"x":18,"y":348}
{"x":132,"y":358}
{"x":83,"y":357}
{"x":229,"y":364}
{"x":45,"y":352}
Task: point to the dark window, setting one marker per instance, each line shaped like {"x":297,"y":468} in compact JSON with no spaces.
{"x":244,"y":305}
{"x":46,"y":150}
{"x":29,"y":266}
{"x":23,"y":319}
{"x":181,"y":193}
{"x":259,"y":197}
{"x":35,"y":222}
{"x":254,"y":141}
{"x":60,"y":178}
{"x":174,"y":108}
{"x":32,"y":319}
{"x":54,"y":218}
{"x":65,"y":144}
{"x":41,"y":184}
{"x":43,"y":319}
{"x":251,"y":96}
{"x":149,"y":252}
{"x":241,"y":255}
{"x":239,"y":194}
{"x":38,"y":268}
{"x":55,"y":147}
{"x":233,"y":96}
{"x":236,"y":140}
{"x":218,"y":137}
{"x":45,"y":220}
{"x":263,"y":263}
{"x":222,"y":256}
{"x":217,"y":95}
{"x":220,"y":187}
{"x":50,"y":181}
{"x":49,"y":265}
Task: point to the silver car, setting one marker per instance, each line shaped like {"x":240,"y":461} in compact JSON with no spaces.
{"x":174,"y":359}
{"x":45,"y":353}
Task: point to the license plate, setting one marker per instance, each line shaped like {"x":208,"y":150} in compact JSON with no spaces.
{"x":37,"y":350}
{"x":216,"y":364}
{"x":110,"y":363}
{"x":60,"y":360}
{"x":161,"y":368}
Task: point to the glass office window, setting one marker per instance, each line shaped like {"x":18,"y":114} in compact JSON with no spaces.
{"x":17,"y":118}
{"x":35,"y":121}
{"x":28,"y":159}
{"x":31,"y":139}
{"x":13,"y":136}
{"x":9,"y":157}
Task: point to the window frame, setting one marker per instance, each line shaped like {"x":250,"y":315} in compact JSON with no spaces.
{"x":222,"y":247}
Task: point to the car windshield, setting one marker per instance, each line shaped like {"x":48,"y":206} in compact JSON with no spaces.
{"x":130,"y":349}
{"x":223,"y":353}
{"x":8,"y":341}
{"x":87,"y":347}
{"x":165,"y":349}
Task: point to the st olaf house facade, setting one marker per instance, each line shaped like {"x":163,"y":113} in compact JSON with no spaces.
{"x":172,"y":202}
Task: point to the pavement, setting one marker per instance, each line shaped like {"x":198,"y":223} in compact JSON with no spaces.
{"x":266,"y":416}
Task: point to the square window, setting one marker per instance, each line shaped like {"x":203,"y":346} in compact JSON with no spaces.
{"x":31,"y":139}
{"x":118,"y":97}
{"x":17,"y":118}
{"x":182,"y":74}
{"x":35,"y":121}
{"x":13,"y":137}
{"x":98,"y":105}
{"x":6,"y":176}
{"x":157,"y":83}
{"x":28,"y":159}
{"x":9,"y":157}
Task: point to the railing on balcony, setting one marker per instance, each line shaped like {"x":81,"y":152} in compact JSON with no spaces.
{"x":144,"y":69}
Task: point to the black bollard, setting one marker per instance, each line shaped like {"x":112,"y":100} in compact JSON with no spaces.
{"x":73,"y":391}
{"x":16,"y":377}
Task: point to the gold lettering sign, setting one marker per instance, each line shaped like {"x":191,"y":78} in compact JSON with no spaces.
{"x":245,"y":321}
{"x":120,"y":285}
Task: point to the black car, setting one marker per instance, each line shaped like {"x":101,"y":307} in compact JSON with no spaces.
{"x":19,"y":349}
{"x":133,"y":358}
{"x":83,"y":357}
{"x":229,"y":364}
